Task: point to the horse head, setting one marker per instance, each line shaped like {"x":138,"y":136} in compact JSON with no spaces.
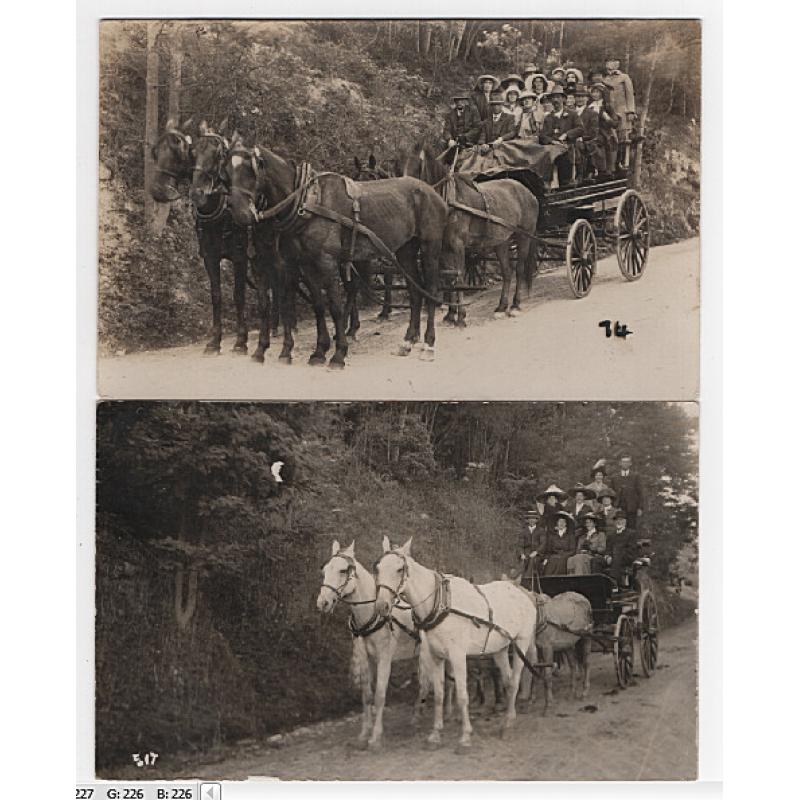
{"x":211,"y":151}
{"x":369,"y":171}
{"x":338,"y":577}
{"x":391,"y":574}
{"x":243,"y":168}
{"x":421,"y":163}
{"x":173,"y":154}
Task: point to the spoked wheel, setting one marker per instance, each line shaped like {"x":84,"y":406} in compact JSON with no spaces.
{"x":581,"y":257}
{"x":632,"y":227}
{"x":623,"y":650}
{"x":648,"y":633}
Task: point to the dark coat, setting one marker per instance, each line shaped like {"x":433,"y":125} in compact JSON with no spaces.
{"x":555,"y":551}
{"x":553,"y":127}
{"x":623,"y":549}
{"x":596,"y":545}
{"x":505,"y":128}
{"x":481,"y":105}
{"x":630,"y":496}
{"x":586,"y":508}
{"x":466,"y":125}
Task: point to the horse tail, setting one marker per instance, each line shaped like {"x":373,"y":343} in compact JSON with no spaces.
{"x":359,"y":664}
{"x":531,"y":263}
{"x":425,"y":667}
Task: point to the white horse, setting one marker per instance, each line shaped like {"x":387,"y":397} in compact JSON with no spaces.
{"x":451,"y":637}
{"x":378,"y":639}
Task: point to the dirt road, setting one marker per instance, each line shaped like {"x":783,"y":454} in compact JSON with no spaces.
{"x":553,"y":351}
{"x":645,"y":732}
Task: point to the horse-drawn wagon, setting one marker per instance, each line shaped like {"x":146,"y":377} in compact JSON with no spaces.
{"x":621,"y":619}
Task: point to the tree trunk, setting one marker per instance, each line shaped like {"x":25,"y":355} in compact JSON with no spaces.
{"x":184,"y":610}
{"x":426,"y":38}
{"x":175,"y":77}
{"x":462,"y":26}
{"x":561,"y":42}
{"x":671,"y":94}
{"x":645,"y":108}
{"x":150,"y":123}
{"x":418,"y":39}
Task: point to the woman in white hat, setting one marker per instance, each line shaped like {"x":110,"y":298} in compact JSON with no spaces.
{"x":482,"y":92}
{"x":513,"y":106}
{"x":528,"y":129}
{"x":559,"y":545}
{"x":553,"y":500}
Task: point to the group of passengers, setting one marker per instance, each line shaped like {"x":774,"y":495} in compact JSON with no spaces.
{"x":593,"y":120}
{"x":588,"y":529}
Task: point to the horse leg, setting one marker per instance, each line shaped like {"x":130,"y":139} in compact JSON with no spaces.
{"x":547,"y":658}
{"x":429,"y":276}
{"x":287,"y":297}
{"x":381,"y":682}
{"x":584,"y":649}
{"x":388,"y":277}
{"x":318,"y":357}
{"x":513,"y":688}
{"x":407,"y":256}
{"x":569,"y":654}
{"x":332,"y":288}
{"x":263,"y":293}
{"x":239,"y":290}
{"x":436,"y":671}
{"x":459,"y":667}
{"x":504,"y":258}
{"x":366,"y":705}
{"x":362,"y":280}
{"x":523,"y":255}
{"x":449,"y":689}
{"x":211,"y":259}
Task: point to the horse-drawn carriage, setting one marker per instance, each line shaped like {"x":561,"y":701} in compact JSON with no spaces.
{"x":621,"y":619}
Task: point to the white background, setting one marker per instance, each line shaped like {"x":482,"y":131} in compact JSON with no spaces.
{"x":48,"y":416}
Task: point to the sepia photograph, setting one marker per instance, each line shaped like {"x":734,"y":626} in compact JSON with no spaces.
{"x":396,"y":591}
{"x":399,"y":209}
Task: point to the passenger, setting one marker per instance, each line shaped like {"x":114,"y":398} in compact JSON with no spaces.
{"x":591,"y":549}
{"x":530,"y":70}
{"x":569,"y":100}
{"x":607,"y":511}
{"x":591,"y":152}
{"x":532,"y":537}
{"x":572,"y":77}
{"x":581,"y":503}
{"x":621,"y":101}
{"x":462,"y":125}
{"x":538,"y":84}
{"x":621,"y":550}
{"x":608,"y":123}
{"x":563,"y":126}
{"x":512,"y":80}
{"x":545,"y":108}
{"x":558,"y":545}
{"x":482,"y":92}
{"x":559,"y":77}
{"x":499,"y":127}
{"x":553,"y":500}
{"x":513,"y":105}
{"x":528,"y":127}
{"x":598,"y":484}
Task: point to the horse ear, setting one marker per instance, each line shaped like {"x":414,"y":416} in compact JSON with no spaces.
{"x":406,"y":548}
{"x":335,"y":547}
{"x":223,"y":126}
{"x":187,"y":124}
{"x":372,"y":161}
{"x":350,"y":551}
{"x":387,"y":545}
{"x":203,"y":127}
{"x":236,"y":138}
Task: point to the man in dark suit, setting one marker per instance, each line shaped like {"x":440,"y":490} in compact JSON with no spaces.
{"x":561,"y":125}
{"x":462,"y":125}
{"x":590,"y":149}
{"x":532,"y":536}
{"x":621,"y":550}
{"x":630,"y":496}
{"x":498,"y":127}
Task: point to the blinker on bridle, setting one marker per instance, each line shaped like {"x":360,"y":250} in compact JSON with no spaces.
{"x":339,"y":591}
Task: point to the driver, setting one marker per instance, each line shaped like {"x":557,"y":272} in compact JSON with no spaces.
{"x":462,"y":124}
{"x":621,"y":550}
{"x":499,"y":127}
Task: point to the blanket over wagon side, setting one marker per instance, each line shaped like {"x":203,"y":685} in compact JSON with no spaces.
{"x":515,"y":154}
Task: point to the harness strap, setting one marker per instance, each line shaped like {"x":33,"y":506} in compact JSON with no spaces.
{"x":372,"y":625}
{"x":476,"y":212}
{"x":491,"y":614}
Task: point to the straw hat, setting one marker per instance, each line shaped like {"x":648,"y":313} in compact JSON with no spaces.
{"x":530,"y":69}
{"x":554,"y":490}
{"x":588,"y":493}
{"x":607,"y":492}
{"x":526,"y":95}
{"x":568,"y":517}
{"x":534,"y":76}
{"x":462,"y":96}
{"x":497,"y":98}
{"x":512,"y":78}
{"x":482,"y":78}
{"x":576,"y":72}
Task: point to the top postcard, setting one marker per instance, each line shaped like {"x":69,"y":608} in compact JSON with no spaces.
{"x":399,"y":209}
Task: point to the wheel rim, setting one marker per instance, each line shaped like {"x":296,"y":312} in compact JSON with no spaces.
{"x":648,"y":635}
{"x":581,"y":258}
{"x":623,"y":651}
{"x":633,"y":235}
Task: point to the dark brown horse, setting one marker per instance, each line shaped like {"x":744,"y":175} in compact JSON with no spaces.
{"x":504,"y":198}
{"x":178,"y":158}
{"x":406,"y":215}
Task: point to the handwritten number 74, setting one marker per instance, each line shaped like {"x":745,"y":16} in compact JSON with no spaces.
{"x":618,"y":329}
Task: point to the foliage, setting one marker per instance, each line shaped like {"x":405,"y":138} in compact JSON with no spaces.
{"x":186,"y":494}
{"x":328,"y":91}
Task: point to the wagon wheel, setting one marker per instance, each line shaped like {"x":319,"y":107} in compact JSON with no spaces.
{"x":648,"y":633}
{"x":633,"y":235}
{"x":581,"y":257}
{"x":623,"y":650}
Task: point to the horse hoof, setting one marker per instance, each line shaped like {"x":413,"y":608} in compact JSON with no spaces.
{"x":257,"y":357}
{"x":335,"y":363}
{"x":433,"y":744}
{"x":427,"y":354}
{"x":499,"y":314}
{"x":463,"y":748}
{"x":462,"y":323}
{"x":239,"y":349}
{"x":376,"y":745}
{"x":362,"y":744}
{"x":211,"y":350}
{"x":285,"y":360}
{"x":515,"y":312}
{"x":316,"y":361}
{"x":405,"y":349}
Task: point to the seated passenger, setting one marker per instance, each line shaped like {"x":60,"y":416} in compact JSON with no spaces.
{"x":599,"y":475}
{"x":512,"y":80}
{"x":482,"y":92}
{"x":607,"y":510}
{"x":621,"y":550}
{"x":558,"y":545}
{"x":512,"y":105}
{"x":569,"y":99}
{"x":462,"y":124}
{"x":552,"y":498}
{"x":572,"y":77}
{"x":591,"y":549}
{"x":591,"y":150}
{"x":530,"y":70}
{"x":528,"y":128}
{"x":538,"y":84}
{"x":499,"y":127}
{"x":581,"y":503}
{"x":559,"y":76}
{"x":564,"y":126}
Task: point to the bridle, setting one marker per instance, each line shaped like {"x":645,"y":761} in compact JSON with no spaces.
{"x":396,"y":593}
{"x":186,"y":143}
{"x":339,"y":591}
{"x":221,"y":152}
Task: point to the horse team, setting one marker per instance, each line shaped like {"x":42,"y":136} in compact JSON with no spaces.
{"x":320,"y":234}
{"x":406,"y":610}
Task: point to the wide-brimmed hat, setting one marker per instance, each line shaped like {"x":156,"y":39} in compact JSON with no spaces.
{"x":496,"y":98}
{"x":592,"y":516}
{"x":532,"y":512}
{"x":526,"y":95}
{"x":461,"y":96}
{"x":512,"y":89}
{"x":588,"y":493}
{"x":554,"y":90}
{"x":601,"y":86}
{"x":606,"y":492}
{"x":554,"y":490}
{"x":512,"y":78}
{"x":576,"y":72}
{"x":567,"y":516}
{"x":580,"y":90}
{"x":600,"y":464}
{"x":531,"y":78}
{"x":529,"y":69}
{"x":482,"y":78}
{"x":620,"y":514}
{"x":557,"y":69}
